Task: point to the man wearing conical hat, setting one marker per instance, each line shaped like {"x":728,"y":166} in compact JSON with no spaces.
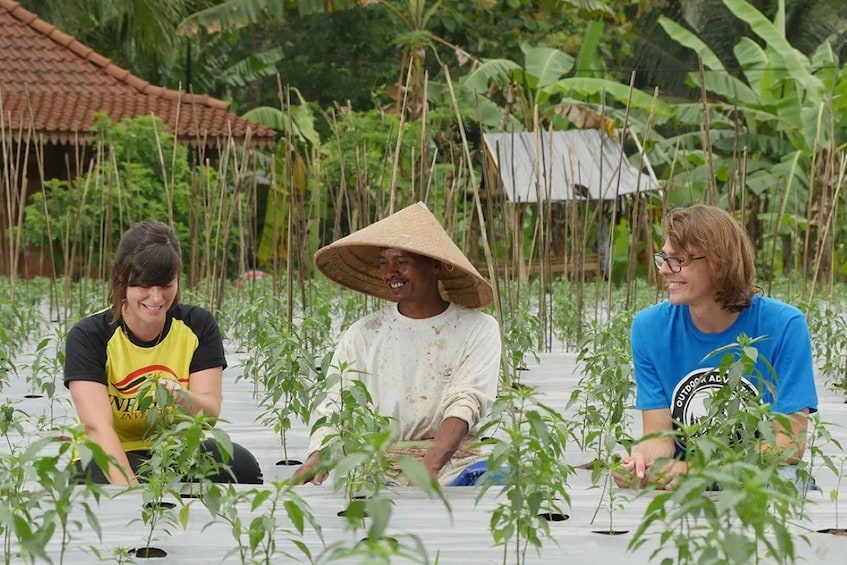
{"x":431,"y":359}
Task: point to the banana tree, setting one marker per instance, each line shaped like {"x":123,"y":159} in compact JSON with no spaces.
{"x":293,"y":208}
{"x":783,"y":114}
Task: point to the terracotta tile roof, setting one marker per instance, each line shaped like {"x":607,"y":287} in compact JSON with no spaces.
{"x":53,"y":82}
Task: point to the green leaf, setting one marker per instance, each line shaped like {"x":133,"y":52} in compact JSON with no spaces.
{"x":295,"y":514}
{"x":588,"y":61}
{"x":379,"y":511}
{"x":727,"y":86}
{"x":498,"y":71}
{"x":184,"y":513}
{"x":797,"y":63}
{"x":691,"y":41}
{"x":546,"y":64}
{"x":256,"y":531}
{"x":754,"y":62}
{"x":581,"y":86}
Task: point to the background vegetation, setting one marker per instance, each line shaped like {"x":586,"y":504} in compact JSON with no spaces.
{"x":382,"y":103}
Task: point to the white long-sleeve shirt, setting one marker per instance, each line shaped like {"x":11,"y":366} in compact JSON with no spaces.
{"x":421,"y":371}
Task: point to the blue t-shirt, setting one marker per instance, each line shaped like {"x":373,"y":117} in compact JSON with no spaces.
{"x":671,"y":370}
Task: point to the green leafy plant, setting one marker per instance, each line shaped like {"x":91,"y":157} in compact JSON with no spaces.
{"x":568,"y":326}
{"x":38,"y":489}
{"x":257,"y":539}
{"x":161,"y":480}
{"x":289,"y":375}
{"x":176,"y":456}
{"x":522,"y":334}
{"x":360,"y":436}
{"x":45,"y":368}
{"x":528,"y":442}
{"x":748,"y":520}
{"x":828,"y":330}
{"x":820,"y":439}
{"x":57,"y":476}
{"x":20,"y":313}
{"x":607,"y":386}
{"x":600,"y":401}
{"x":356,"y":449}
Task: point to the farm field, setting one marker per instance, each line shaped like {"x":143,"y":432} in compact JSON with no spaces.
{"x":459,"y":536}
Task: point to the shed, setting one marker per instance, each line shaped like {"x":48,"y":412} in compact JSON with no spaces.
{"x":561,"y":166}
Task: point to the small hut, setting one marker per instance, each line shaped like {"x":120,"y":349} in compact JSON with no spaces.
{"x":569,"y":181}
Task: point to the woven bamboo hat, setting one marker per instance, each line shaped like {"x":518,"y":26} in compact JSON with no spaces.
{"x":353,"y":261}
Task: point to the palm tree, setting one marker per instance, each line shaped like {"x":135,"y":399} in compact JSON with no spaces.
{"x":780,"y":136}
{"x":139,"y":35}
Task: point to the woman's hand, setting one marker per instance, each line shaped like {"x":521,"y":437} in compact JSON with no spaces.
{"x":178,"y":392}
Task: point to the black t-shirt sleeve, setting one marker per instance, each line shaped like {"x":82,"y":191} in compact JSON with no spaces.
{"x":85,"y":352}
{"x":210,"y":349}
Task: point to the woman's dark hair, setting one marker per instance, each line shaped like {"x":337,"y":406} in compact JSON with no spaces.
{"x":148,"y":255}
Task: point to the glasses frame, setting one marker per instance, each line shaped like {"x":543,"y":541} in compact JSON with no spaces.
{"x":675,"y":264}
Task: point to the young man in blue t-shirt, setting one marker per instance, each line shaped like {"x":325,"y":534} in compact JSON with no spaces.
{"x":708,"y":264}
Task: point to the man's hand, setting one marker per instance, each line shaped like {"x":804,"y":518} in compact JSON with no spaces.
{"x":307,"y":472}
{"x":633,"y":470}
{"x":668,"y":477}
{"x":444,"y":444}
{"x":637,"y":471}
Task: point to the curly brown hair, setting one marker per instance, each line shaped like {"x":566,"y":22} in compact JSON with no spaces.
{"x":149,"y":255}
{"x":713,"y":232}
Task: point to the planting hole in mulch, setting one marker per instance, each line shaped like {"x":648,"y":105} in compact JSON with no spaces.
{"x":148,"y":552}
{"x":357,"y":506}
{"x":840,"y":532}
{"x":163,"y":504}
{"x":554,"y":516}
{"x":610,"y":532}
{"x":343,"y":513}
{"x":392,"y":542}
{"x":285,"y":462}
{"x":589,"y":465}
{"x":33,"y":395}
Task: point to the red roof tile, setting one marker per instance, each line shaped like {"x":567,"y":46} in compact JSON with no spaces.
{"x":54,"y":83}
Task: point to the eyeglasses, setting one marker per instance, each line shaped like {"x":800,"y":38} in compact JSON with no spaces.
{"x":675,"y":264}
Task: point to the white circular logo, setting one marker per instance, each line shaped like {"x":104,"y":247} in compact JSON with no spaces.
{"x":691,"y":394}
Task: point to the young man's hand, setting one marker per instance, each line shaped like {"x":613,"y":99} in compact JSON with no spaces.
{"x":637,"y":471}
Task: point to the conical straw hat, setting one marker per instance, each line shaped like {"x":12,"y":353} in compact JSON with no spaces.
{"x":353,"y":261}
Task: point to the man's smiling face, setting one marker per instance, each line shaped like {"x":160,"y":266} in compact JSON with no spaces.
{"x":410,"y":277}
{"x":692,"y":284}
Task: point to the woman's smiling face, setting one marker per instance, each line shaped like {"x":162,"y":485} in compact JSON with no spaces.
{"x":148,"y":305}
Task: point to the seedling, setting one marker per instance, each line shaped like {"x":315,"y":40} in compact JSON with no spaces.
{"x":176,"y":455}
{"x":359,"y":440}
{"x":528,"y":441}
{"x":725,"y":450}
{"x":257,"y":540}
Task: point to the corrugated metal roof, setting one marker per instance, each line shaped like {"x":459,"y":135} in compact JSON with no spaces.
{"x":564,"y":165}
